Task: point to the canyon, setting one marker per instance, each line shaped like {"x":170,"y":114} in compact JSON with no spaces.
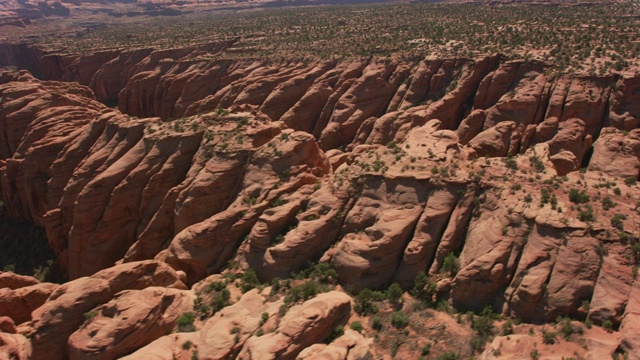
{"x":158,"y":172}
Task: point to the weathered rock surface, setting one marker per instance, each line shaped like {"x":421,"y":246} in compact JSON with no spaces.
{"x":62,"y":314}
{"x":231,"y":327}
{"x":132,"y":319}
{"x":11,"y":280}
{"x":350,"y":346}
{"x":19,"y":303}
{"x":14,"y":346}
{"x":302,"y":326}
{"x":373,"y":166}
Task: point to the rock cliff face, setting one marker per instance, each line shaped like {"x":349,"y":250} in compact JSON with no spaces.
{"x":464,"y":169}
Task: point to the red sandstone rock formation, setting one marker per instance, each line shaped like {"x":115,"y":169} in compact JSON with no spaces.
{"x":421,"y":181}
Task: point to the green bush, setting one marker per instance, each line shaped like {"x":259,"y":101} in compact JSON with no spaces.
{"x":630,"y":180}
{"x":394,"y":293}
{"x":566,"y":328}
{"x":185,"y":322}
{"x":249,"y":280}
{"x":586,"y":214}
{"x":364,"y":302}
{"x":607,"y":203}
{"x":535,"y":355}
{"x":483,"y":326}
{"x":578,"y":197}
{"x":616,"y":221}
{"x":423,"y":288}
{"x":220,"y":300}
{"x":507,"y":328}
{"x":548,"y":337}
{"x":376,"y":323}
{"x":399,"y":319}
{"x":450,"y":265}
{"x":336,"y":333}
{"x":449,"y":355}
{"x":324,"y":273}
{"x":303,"y":291}
{"x":356,"y":326}
{"x":216,"y":286}
{"x":425,"y":350}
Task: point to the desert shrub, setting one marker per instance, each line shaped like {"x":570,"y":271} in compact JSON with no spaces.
{"x":364,"y":302}
{"x":249,"y":280}
{"x":607,"y":203}
{"x":394,"y":293}
{"x":450,"y":265}
{"x":535,"y":355}
{"x":425,"y":350}
{"x":303,"y":291}
{"x":376,"y":323}
{"x":356,"y":326}
{"x":630,"y":180}
{"x":324,"y":273}
{"x":449,"y":355}
{"x":336,"y":333}
{"x":507,"y":328}
{"x":616,"y":221}
{"x":586,"y":213}
{"x":566,"y":327}
{"x":578,"y":197}
{"x":185,"y":322}
{"x":483,"y":326}
{"x":423,"y":288}
{"x":220,"y":300}
{"x":548,"y":337}
{"x":399,"y":319}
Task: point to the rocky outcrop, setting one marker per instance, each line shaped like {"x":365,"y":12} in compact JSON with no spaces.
{"x":617,"y":153}
{"x":231,"y":328}
{"x":302,"y":326}
{"x":19,"y":303}
{"x":351,"y":345}
{"x":14,"y":346}
{"x":132,"y":319}
{"x":11,"y":280}
{"x":63,"y":312}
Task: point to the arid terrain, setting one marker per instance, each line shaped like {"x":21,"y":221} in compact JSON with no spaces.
{"x":366,"y":181}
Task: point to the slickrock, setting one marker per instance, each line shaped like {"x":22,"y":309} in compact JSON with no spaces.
{"x":613,"y":286}
{"x":521,"y":346}
{"x":132,"y":319}
{"x":12,"y":280}
{"x":376,"y":231}
{"x":39,"y":119}
{"x":14,"y":346}
{"x":367,"y":97}
{"x":62,"y":314}
{"x":569,"y":145}
{"x":495,"y":141}
{"x":302,"y":326}
{"x":297,"y":155}
{"x":230,"y":327}
{"x":19,"y":303}
{"x":350,"y":346}
{"x":7,"y":325}
{"x":630,"y":327}
{"x":315,"y":228}
{"x":617,"y":153}
{"x":623,"y":111}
